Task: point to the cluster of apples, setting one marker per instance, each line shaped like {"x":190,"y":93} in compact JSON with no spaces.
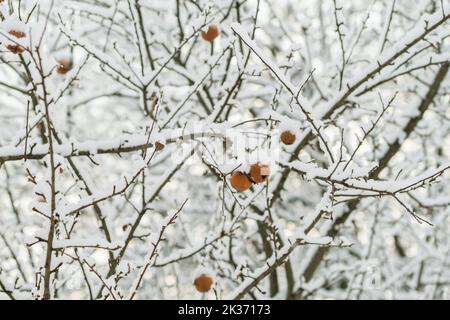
{"x":242,"y":181}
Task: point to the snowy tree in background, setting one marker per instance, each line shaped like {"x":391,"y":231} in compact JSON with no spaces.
{"x":224,"y":149}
